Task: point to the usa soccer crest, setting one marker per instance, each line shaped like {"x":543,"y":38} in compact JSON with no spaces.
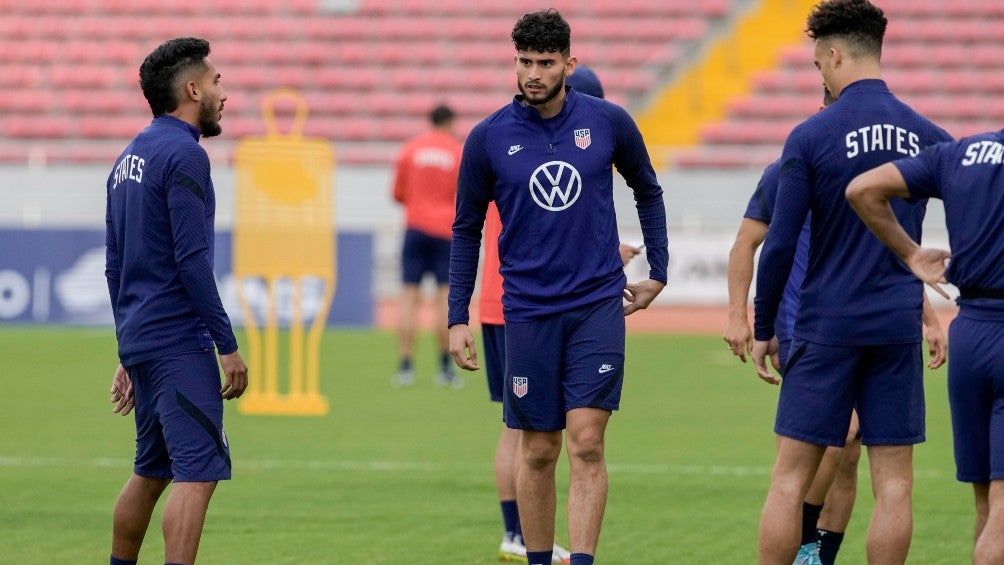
{"x":519,"y":386}
{"x":582,"y":139}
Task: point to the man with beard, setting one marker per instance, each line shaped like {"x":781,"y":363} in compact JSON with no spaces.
{"x":546,"y":161}
{"x":168,"y":314}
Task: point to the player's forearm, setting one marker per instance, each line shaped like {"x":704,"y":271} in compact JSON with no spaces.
{"x":196,"y":275}
{"x":869,"y":194}
{"x":775,"y":267}
{"x":928,"y":316}
{"x":877,"y":214}
{"x":740,"y":277}
{"x":465,"y":250}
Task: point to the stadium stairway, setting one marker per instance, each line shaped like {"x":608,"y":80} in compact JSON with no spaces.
{"x":699,"y":94}
{"x":942,"y":58}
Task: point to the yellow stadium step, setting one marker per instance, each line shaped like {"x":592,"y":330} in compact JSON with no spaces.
{"x":700,"y":93}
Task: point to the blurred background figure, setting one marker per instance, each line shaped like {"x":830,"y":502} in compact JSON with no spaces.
{"x":425,"y":183}
{"x":585,"y":81}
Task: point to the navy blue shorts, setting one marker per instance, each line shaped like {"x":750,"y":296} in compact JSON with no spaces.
{"x":423,"y":253}
{"x":823,"y":383}
{"x":555,"y":364}
{"x":493,"y":356}
{"x":976,"y":396}
{"x":179,"y":418}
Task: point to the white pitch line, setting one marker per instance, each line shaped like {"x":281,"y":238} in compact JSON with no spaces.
{"x":13,"y":461}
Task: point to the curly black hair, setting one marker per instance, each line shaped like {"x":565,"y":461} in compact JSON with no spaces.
{"x":160,"y":71}
{"x":858,"y":22}
{"x":544,"y":31}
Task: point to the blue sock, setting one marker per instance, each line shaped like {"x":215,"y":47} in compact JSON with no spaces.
{"x":510,"y":517}
{"x":405,"y":364}
{"x":116,"y":561}
{"x":446,"y":362}
{"x":538,"y":557}
{"x":581,"y":559}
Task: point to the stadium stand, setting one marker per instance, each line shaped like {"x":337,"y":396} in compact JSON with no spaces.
{"x":940,"y":57}
{"x":369,"y":69}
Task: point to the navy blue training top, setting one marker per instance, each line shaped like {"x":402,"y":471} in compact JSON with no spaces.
{"x":968,"y":177}
{"x":552,"y":180}
{"x":856,"y":291}
{"x":159,"y":239}
{"x":761,"y":209}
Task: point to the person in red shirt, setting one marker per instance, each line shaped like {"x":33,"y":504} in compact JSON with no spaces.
{"x":425,"y":183}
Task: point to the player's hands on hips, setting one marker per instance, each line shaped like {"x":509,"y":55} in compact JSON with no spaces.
{"x":123,"y":396}
{"x":462,"y":347}
{"x":937,"y":345}
{"x":236,"y":374}
{"x":761,"y":350}
{"x":640,"y":295}
{"x":739,"y":336}
{"x":929,"y":266}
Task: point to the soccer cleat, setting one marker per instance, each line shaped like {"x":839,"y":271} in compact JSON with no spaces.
{"x":560,"y":555}
{"x":403,"y":378}
{"x":447,"y":379}
{"x":808,"y":554}
{"x":512,"y":549}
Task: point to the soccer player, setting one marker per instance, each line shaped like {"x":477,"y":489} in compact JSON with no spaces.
{"x":967,"y":177}
{"x":506,"y":461}
{"x":425,"y":183}
{"x":168,"y":313}
{"x":828,"y":505}
{"x":857,"y":332}
{"x":546,"y":161}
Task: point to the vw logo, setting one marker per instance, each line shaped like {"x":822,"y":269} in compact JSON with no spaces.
{"x":555,"y":185}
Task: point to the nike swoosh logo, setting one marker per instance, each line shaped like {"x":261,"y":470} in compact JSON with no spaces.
{"x":515,"y":149}
{"x":606,"y":369}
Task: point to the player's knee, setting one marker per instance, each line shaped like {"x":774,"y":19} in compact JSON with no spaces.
{"x":893,"y":489}
{"x":586,"y":447}
{"x":541,"y":450}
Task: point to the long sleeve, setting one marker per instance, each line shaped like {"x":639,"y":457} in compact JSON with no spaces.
{"x":186,"y":199}
{"x":778,"y":254}
{"x":632,"y":161}
{"x":113,"y":263}
{"x":474,"y":192}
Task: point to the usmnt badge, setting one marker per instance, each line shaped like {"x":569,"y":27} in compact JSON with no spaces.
{"x":582,"y":139}
{"x":519,"y":386}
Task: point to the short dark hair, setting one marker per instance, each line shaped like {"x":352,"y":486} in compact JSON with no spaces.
{"x":858,"y":22}
{"x":441,"y":114}
{"x":160,"y":71}
{"x":544,"y":31}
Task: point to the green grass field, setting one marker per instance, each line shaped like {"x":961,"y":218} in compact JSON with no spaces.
{"x":404,"y":476}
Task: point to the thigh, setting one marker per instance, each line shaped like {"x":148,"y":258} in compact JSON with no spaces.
{"x":532,"y":398}
{"x":439,"y":259}
{"x":493,"y":336}
{"x":414,"y":258}
{"x":152,"y":458}
{"x":594,"y":356}
{"x":975,"y":389}
{"x":817,"y":393}
{"x":191,"y":415}
{"x":890,"y":396}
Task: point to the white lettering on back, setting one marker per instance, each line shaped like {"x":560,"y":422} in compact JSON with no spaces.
{"x":881,"y":137}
